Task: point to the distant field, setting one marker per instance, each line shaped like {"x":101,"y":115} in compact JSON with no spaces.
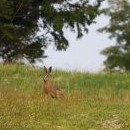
{"x":92,"y":101}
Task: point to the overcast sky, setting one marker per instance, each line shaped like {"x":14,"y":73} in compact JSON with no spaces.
{"x":82,"y":54}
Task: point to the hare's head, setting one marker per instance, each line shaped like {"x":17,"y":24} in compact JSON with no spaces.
{"x":47,"y":73}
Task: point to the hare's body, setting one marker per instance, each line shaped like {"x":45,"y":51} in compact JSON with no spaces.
{"x":49,"y":87}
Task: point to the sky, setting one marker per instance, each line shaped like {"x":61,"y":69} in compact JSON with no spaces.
{"x":82,"y":54}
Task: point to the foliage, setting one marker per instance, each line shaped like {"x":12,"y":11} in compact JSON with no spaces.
{"x":118,"y":55}
{"x":28,"y":26}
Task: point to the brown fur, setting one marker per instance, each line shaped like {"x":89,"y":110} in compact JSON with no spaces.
{"x":49,"y":88}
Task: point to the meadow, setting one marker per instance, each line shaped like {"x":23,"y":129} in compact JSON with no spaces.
{"x":92,"y":101}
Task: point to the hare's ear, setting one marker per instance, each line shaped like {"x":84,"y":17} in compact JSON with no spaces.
{"x":45,"y":69}
{"x":50,"y":69}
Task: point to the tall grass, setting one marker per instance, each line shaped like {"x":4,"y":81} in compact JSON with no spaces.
{"x":92,"y":101}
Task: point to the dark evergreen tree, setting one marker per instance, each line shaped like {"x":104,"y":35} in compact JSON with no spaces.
{"x":21,"y":20}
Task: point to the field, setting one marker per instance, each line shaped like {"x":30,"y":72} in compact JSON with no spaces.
{"x":92,"y":101}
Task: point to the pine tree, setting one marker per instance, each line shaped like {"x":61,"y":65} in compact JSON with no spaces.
{"x":22,"y":20}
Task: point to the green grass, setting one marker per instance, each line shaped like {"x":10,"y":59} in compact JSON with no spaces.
{"x":92,"y":101}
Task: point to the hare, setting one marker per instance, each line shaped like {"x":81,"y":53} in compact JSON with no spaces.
{"x":49,"y":87}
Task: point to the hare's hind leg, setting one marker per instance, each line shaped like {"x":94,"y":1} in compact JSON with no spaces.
{"x":53,"y":94}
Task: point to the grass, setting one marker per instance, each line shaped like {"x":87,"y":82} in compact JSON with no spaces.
{"x":92,"y":101}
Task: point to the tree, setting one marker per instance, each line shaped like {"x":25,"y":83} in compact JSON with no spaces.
{"x":21,"y":20}
{"x":118,"y":55}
